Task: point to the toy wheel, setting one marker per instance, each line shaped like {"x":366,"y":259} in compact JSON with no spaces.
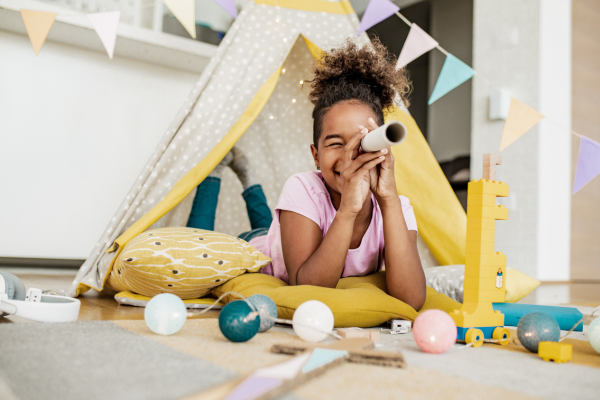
{"x":501,"y":334}
{"x":474,"y":336}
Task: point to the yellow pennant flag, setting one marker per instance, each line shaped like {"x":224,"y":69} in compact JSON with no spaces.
{"x":521,"y":118}
{"x":185,"y":12}
{"x":38,"y":24}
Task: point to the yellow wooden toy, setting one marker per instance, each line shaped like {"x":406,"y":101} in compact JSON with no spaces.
{"x":557,"y":352}
{"x":485,"y":269}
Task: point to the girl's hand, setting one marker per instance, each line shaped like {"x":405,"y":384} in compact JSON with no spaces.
{"x":354,"y":172}
{"x":382,"y":179}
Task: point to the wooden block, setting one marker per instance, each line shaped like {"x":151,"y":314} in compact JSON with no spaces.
{"x":489,"y":165}
{"x":359,"y":333}
{"x":359,"y":351}
{"x":293,"y":348}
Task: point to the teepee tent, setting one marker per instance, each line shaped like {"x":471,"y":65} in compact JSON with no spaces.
{"x":252,"y":94}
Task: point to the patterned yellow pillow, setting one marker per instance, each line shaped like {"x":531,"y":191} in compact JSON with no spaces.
{"x":187,"y":262}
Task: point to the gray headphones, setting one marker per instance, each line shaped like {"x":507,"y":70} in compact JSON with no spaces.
{"x":13,"y":287}
{"x":32,"y":304}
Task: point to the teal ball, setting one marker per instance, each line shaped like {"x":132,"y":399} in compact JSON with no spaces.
{"x":537,"y":327}
{"x":165,"y":314}
{"x":593,"y":334}
{"x":267,"y":309}
{"x":236,"y":323}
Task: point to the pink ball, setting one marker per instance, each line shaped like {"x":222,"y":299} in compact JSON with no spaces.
{"x":434,"y":331}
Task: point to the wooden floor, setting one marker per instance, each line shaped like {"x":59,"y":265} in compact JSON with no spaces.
{"x":101,"y":306}
{"x":95,"y":306}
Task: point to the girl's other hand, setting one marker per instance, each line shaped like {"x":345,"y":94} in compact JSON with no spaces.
{"x":354,"y":172}
{"x":382,"y":179}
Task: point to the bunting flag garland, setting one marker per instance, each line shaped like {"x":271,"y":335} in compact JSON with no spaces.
{"x":185,"y":12}
{"x":105,"y":24}
{"x":454,"y":73}
{"x":376,"y":11}
{"x":521,"y":118}
{"x":38,"y":24}
{"x":229,"y":6}
{"x":588,"y":163}
{"x":417,"y":43}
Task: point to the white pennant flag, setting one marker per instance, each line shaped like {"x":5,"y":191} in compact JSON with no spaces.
{"x":185,"y":12}
{"x":105,"y":24}
{"x":417,"y":43}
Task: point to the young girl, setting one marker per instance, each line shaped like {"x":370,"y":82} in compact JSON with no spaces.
{"x":347,"y":219}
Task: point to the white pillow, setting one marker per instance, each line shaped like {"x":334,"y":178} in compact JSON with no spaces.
{"x":448,"y":280}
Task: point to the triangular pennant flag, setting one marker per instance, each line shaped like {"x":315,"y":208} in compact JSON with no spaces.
{"x":229,"y":6}
{"x":285,"y":370}
{"x":185,"y":12}
{"x":521,"y":118}
{"x":253,"y":387}
{"x":38,"y":24}
{"x":376,"y":11}
{"x":588,"y":163}
{"x":321,"y":357}
{"x":454,"y":73}
{"x":105,"y":24}
{"x":417,"y":43}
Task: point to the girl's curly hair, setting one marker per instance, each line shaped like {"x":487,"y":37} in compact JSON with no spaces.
{"x":352,"y":73}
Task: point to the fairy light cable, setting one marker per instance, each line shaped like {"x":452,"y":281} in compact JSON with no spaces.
{"x":255,"y":313}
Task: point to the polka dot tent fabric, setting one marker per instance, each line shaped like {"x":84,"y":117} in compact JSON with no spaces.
{"x":262,"y":40}
{"x":186,"y":262}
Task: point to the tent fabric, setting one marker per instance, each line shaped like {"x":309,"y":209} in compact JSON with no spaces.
{"x":252,"y":94}
{"x":440,"y":217}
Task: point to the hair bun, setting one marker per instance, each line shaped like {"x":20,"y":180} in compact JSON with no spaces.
{"x":351,"y":66}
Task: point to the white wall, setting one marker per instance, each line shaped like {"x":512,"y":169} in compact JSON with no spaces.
{"x":75,"y":130}
{"x":524,"y":47}
{"x":449,"y":118}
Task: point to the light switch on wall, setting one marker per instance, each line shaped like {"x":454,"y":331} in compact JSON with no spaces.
{"x":499,"y":104}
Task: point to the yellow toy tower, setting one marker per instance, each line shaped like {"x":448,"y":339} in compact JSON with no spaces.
{"x":485,"y":269}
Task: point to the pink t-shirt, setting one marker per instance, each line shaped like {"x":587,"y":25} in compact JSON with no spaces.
{"x":306,"y":194}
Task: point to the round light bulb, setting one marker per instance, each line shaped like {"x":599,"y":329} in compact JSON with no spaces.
{"x":313,"y":321}
{"x":593,"y":334}
{"x":434,"y":331}
{"x":293,"y":100}
{"x":267,"y":310}
{"x":271,"y":117}
{"x":165,"y":314}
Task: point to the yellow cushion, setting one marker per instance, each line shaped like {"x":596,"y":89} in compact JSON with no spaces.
{"x":518,"y":285}
{"x":186,"y":262}
{"x":357,"y":301}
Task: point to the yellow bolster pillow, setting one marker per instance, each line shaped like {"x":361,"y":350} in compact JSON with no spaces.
{"x":357,"y":301}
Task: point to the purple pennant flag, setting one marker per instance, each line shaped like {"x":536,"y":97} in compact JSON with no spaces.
{"x":376,"y":11}
{"x":588,"y":163}
{"x":229,"y":6}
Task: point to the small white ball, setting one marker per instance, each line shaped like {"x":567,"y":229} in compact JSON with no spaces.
{"x":313,"y":321}
{"x":165,"y":314}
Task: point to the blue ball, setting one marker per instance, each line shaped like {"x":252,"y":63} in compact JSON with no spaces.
{"x":165,"y":314}
{"x":267,"y":308}
{"x":235,"y":323}
{"x":537,"y":327}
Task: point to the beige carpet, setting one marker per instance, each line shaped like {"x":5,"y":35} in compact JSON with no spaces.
{"x":488,"y":372}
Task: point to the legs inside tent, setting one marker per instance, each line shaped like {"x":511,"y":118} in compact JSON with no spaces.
{"x":204,"y":207}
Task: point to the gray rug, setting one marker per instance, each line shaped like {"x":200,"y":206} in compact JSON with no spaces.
{"x":96,"y":360}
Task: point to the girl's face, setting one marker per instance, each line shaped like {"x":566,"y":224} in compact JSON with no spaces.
{"x":339,"y":125}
